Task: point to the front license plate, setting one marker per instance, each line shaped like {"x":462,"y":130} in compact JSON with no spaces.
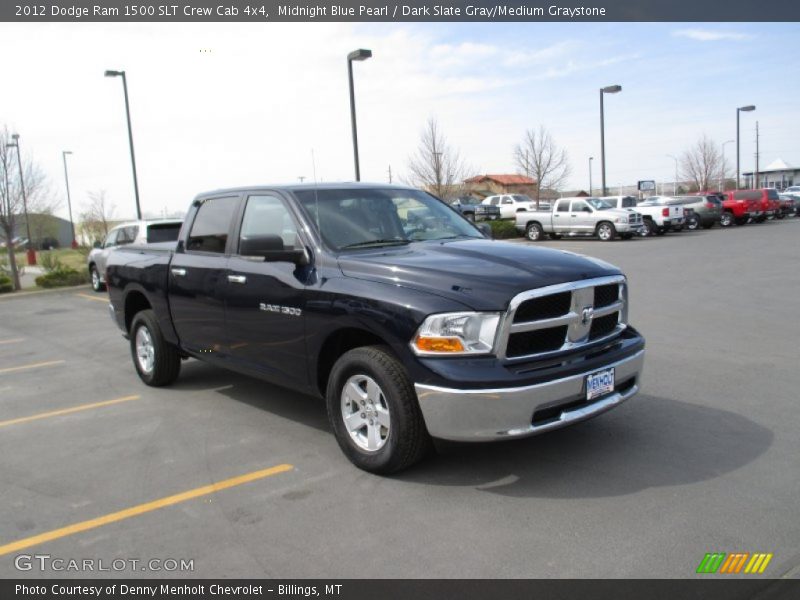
{"x":599,"y":384}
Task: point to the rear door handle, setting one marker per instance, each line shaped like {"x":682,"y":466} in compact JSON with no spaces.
{"x":237,"y":278}
{"x":179,"y":272}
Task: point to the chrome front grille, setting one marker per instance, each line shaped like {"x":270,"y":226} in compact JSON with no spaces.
{"x":563,"y":317}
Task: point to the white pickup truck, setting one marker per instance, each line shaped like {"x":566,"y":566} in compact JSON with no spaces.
{"x":511,"y":204}
{"x":659,"y":216}
{"x":580,"y":217}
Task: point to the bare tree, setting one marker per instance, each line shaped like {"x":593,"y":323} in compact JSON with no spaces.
{"x":701,"y":164}
{"x":12,"y":204}
{"x":540,"y":158}
{"x":436,"y":166}
{"x":96,"y":219}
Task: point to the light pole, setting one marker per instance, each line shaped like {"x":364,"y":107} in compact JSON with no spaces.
{"x":69,"y":200}
{"x":130,"y":136}
{"x":722,"y":167}
{"x":591,"y":158}
{"x":748,"y":108}
{"x":611,"y":89}
{"x":674,"y":185}
{"x":359,"y":55}
{"x":31,"y":254}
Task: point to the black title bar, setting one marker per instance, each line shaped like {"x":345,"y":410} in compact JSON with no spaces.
{"x":260,"y":11}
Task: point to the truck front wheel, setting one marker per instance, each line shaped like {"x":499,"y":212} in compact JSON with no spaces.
{"x":726,"y":219}
{"x":374,"y":412}
{"x":606,"y":231}
{"x":534,"y":232}
{"x":157,"y":362}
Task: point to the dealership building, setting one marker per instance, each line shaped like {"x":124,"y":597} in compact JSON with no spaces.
{"x":777,"y":174}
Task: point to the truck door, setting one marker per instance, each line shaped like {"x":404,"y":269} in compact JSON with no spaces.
{"x":581,"y":217}
{"x":265,"y":301}
{"x":198,"y":279}
{"x":561,"y":218}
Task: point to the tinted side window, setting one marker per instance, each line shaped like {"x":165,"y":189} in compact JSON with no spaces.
{"x":579,"y":205}
{"x":772,"y":194}
{"x":268,"y":216}
{"x":563,"y":206}
{"x":166,"y":232}
{"x":211,"y":225}
{"x":111,"y":238}
{"x":629,"y":202}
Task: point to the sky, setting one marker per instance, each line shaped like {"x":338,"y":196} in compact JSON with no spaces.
{"x":220,"y":105}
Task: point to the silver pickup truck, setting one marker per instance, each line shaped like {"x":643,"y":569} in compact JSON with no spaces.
{"x":580,"y":217}
{"x":135,"y":232}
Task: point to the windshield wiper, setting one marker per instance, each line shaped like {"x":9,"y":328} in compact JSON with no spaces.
{"x":394,"y":242}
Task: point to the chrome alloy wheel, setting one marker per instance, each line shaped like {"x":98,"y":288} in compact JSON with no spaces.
{"x":95,"y":280}
{"x":145,"y":352}
{"x":604,"y":232}
{"x":365,"y":413}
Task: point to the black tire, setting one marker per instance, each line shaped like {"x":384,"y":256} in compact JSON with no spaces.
{"x":554,"y":236}
{"x":407,"y":440}
{"x":693,"y":223}
{"x":605,"y":231}
{"x":166,"y":358}
{"x":534,"y":232}
{"x":97,"y":284}
{"x":648,"y":228}
{"x":726,"y":219}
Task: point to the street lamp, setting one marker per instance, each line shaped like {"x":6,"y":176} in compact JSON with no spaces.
{"x":130,"y":136}
{"x":611,"y":89}
{"x":69,"y":200}
{"x":31,"y":254}
{"x":748,"y":108}
{"x":359,"y":55}
{"x":722,"y":167}
{"x":674,"y":185}
{"x":591,"y":158}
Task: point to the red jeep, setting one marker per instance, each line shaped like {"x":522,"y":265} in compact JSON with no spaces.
{"x":738,"y":206}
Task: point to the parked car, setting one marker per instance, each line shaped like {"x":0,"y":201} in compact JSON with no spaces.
{"x":510,"y":204}
{"x":792,"y":189}
{"x":702,"y":210}
{"x":580,"y":217}
{"x":739,"y":206}
{"x":474,"y":210}
{"x":408,"y":331}
{"x":769,"y":202}
{"x":791,"y":202}
{"x":657,"y":216}
{"x":135,"y":232}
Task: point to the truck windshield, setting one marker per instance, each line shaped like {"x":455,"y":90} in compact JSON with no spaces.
{"x":363,"y":218}
{"x":599,"y":204}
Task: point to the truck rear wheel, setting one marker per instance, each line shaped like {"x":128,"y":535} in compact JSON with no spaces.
{"x":534,"y":232}
{"x":157,"y":362}
{"x":374,"y":411}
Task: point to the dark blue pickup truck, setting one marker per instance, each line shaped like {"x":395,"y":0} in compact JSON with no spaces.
{"x":383,"y":300}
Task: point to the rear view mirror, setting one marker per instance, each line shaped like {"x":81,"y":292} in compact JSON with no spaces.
{"x":271,"y":249}
{"x":485,"y":229}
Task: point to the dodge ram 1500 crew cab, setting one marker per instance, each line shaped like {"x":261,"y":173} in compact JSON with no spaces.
{"x":387,"y":303}
{"x":579,"y":217}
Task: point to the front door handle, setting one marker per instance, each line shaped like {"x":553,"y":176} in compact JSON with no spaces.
{"x":237,"y":278}
{"x":179,"y":272}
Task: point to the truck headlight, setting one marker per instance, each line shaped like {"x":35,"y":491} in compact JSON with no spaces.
{"x":456,"y":333}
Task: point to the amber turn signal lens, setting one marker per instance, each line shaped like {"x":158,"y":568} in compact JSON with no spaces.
{"x":439,"y":344}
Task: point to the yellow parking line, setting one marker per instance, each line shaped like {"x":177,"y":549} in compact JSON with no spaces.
{"x":67,"y":411}
{"x":141,"y":509}
{"x":14,"y":341}
{"x":95,"y":298}
{"x":33,"y":366}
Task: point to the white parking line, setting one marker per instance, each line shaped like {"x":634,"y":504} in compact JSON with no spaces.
{"x":13,"y":341}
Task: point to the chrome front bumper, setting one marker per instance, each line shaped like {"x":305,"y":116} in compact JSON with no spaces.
{"x":496,"y":414}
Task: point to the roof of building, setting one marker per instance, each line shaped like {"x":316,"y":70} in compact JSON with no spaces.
{"x":778,"y":165}
{"x":502,"y":179}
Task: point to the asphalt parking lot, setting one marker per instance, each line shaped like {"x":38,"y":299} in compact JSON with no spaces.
{"x":704,"y":459}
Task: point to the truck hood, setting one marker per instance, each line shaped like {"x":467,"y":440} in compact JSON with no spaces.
{"x":481,"y":274}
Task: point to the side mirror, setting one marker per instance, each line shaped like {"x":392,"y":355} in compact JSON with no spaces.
{"x":271,"y":249}
{"x":486,"y":230}
{"x":97,"y":244}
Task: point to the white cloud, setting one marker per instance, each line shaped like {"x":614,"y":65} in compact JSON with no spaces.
{"x":710,"y":35}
